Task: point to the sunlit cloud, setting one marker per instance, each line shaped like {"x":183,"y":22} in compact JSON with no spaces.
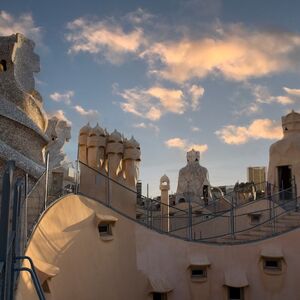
{"x":139,"y":16}
{"x":258,"y":129}
{"x":62,"y":97}
{"x":24,"y":24}
{"x":235,"y":52}
{"x":152,"y":103}
{"x":86,"y":112}
{"x":106,"y":38}
{"x":195,"y":129}
{"x":196,"y":93}
{"x":147,"y":126}
{"x":60,"y":114}
{"x":294,"y":92}
{"x":184,"y":145}
{"x":262,"y":96}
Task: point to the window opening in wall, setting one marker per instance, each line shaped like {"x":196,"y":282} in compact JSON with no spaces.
{"x":198,"y":272}
{"x":255,"y":219}
{"x":272,"y":264}
{"x":104,"y":229}
{"x":160,"y":296}
{"x":284,"y":181}
{"x":3,"y":66}
{"x":45,"y":287}
{"x":235,"y":293}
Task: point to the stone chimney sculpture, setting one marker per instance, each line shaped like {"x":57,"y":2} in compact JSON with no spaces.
{"x":193,"y":181}
{"x":82,"y":144}
{"x":114,"y":150}
{"x":284,"y":157}
{"x":114,"y":163}
{"x":23,"y":121}
{"x":131,"y":161}
{"x":164,"y":207}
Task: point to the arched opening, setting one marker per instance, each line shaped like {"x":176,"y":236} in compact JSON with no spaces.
{"x":3,"y":66}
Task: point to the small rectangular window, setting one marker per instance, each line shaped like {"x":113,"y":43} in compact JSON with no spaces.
{"x":272,"y":264}
{"x":235,"y":293}
{"x":255,"y":219}
{"x":198,"y":272}
{"x":160,"y":296}
{"x":104,"y":229}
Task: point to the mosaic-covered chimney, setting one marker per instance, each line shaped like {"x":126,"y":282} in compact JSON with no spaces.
{"x":23,"y":121}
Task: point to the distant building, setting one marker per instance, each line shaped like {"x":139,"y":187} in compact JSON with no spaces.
{"x":258,"y":176}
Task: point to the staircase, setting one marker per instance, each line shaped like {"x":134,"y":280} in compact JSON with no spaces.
{"x":284,"y":223}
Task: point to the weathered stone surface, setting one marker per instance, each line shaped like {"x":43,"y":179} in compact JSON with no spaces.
{"x":192,"y":179}
{"x":286,"y":152}
{"x":58,"y":132}
{"x":110,"y":153}
{"x":22,"y":119}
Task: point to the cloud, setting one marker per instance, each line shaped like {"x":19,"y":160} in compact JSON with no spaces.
{"x":103,"y":37}
{"x":139,"y":16}
{"x":185,"y":145}
{"x":284,"y":100}
{"x":152,"y":103}
{"x":262,"y":96}
{"x":196,"y":92}
{"x":235,"y":52}
{"x":24,"y":24}
{"x":258,"y":129}
{"x":63,"y":97}
{"x":294,"y":92}
{"x":84,"y":112}
{"x":172,"y":100}
{"x":147,"y":126}
{"x":195,"y":129}
{"x":60,"y":114}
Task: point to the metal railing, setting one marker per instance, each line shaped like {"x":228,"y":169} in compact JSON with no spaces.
{"x":190,"y":220}
{"x":13,"y":234}
{"x":223,"y":219}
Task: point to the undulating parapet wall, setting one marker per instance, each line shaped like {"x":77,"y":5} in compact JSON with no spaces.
{"x":110,"y":155}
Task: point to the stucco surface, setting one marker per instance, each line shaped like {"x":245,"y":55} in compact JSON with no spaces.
{"x":67,"y":238}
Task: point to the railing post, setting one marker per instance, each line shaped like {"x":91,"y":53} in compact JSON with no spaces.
{"x":77,"y":177}
{"x":190,"y":220}
{"x":273,"y":216}
{"x":108,"y":187}
{"x":46,"y":181}
{"x":232,"y":218}
{"x":15,"y":230}
{"x":5,"y":229}
{"x":151,"y":214}
{"x":269,"y":197}
{"x":295,"y":194}
{"x":25,"y":212}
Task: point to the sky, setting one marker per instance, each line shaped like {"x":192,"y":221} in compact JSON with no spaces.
{"x":211,"y":75}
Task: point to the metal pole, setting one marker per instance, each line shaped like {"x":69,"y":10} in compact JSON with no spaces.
{"x":273,"y":216}
{"x":232,"y":218}
{"x":148,"y":207}
{"x":269,"y":198}
{"x":25,"y":206}
{"x":77,"y":172}
{"x":108,"y":187}
{"x":190,"y":219}
{"x":15,"y":230}
{"x":5,"y":229}
{"x":46,"y":180}
{"x":151,"y":214}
